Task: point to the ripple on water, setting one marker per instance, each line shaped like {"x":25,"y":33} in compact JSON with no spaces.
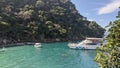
{"x":52,"y":55}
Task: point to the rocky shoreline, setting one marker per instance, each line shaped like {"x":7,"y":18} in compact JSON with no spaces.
{"x":12,"y":43}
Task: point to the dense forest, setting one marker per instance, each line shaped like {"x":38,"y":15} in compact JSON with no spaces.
{"x":28,"y":20}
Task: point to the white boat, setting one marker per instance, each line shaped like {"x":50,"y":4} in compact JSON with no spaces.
{"x":37,"y":45}
{"x":5,"y":42}
{"x":88,"y":43}
{"x":2,"y":50}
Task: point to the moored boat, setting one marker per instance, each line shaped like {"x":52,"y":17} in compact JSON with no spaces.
{"x":2,"y":50}
{"x":88,"y":43}
{"x":37,"y":45}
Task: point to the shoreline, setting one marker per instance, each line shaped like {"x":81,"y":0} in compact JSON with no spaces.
{"x":29,"y":43}
{"x":23,"y":44}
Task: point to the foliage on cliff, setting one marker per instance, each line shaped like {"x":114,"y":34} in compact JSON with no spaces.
{"x":108,"y":55}
{"x":44,"y":19}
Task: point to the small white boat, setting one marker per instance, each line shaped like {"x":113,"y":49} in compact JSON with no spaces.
{"x":5,"y":42}
{"x":3,"y":49}
{"x":88,"y":43}
{"x":37,"y":45}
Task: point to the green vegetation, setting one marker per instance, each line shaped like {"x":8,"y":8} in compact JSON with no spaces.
{"x":29,"y":20}
{"x":108,"y":55}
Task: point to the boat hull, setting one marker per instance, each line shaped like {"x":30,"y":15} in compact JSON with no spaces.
{"x":76,"y":46}
{"x":37,"y":46}
{"x":79,"y":47}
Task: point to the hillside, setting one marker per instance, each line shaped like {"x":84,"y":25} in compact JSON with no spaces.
{"x":29,"y":20}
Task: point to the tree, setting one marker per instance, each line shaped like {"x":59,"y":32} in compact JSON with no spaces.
{"x":39,"y":3}
{"x":44,"y":19}
{"x":108,"y":55}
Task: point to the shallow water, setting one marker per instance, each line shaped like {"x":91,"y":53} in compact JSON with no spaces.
{"x":51,"y":55}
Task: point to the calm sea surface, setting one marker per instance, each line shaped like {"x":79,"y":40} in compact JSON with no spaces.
{"x":52,"y":55}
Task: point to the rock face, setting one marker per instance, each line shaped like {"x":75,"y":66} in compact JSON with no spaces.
{"x":30,"y":20}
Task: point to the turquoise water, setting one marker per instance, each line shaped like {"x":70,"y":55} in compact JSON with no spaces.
{"x":52,"y":55}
